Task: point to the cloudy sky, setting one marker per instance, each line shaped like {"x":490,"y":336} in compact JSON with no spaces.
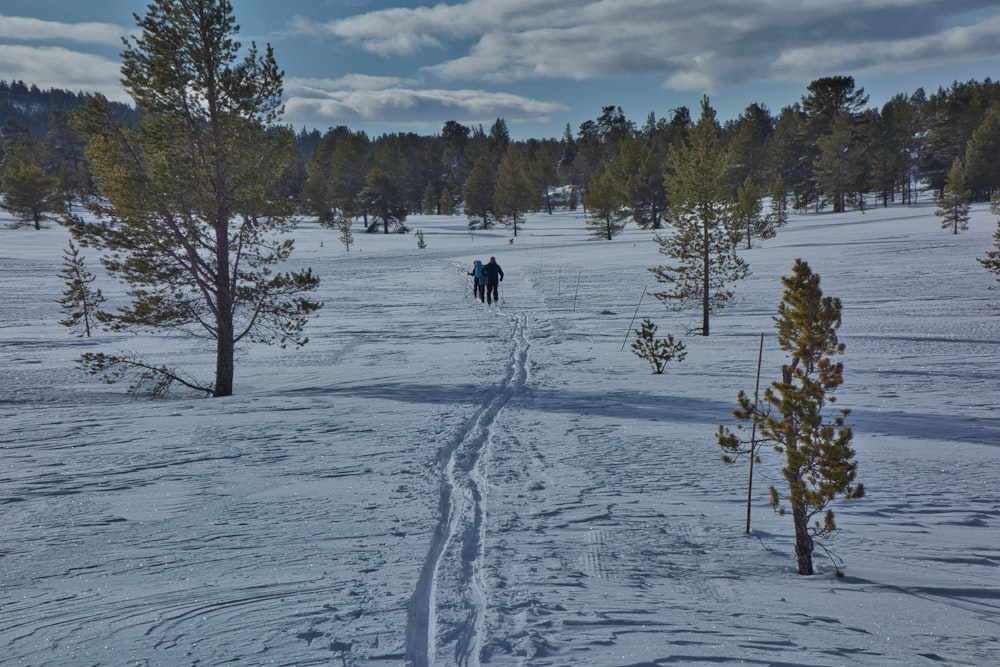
{"x":396,"y":65}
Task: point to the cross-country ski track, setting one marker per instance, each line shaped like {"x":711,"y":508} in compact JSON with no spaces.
{"x":448,"y":605}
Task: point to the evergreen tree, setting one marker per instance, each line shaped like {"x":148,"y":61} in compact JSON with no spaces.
{"x":185,"y":208}
{"x":981,"y":165}
{"x":953,"y":204}
{"x":478,"y":193}
{"x":639,"y":171}
{"x":346,"y":235}
{"x":421,"y":244}
{"x":702,"y":246}
{"x":430,"y":203}
{"x":445,"y":204}
{"x":748,"y":214}
{"x":819,"y":462}
{"x":380,"y":199}
{"x":992,"y":260}
{"x":512,"y":194}
{"x":80,"y":301}
{"x":605,"y":204}
{"x":29,"y":194}
{"x":778,"y":212}
{"x":657,"y":351}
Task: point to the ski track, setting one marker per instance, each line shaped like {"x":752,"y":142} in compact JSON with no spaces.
{"x":447,"y":611}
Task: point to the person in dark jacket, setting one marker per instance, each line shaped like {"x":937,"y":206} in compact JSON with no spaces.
{"x":494,"y":276}
{"x":478,"y":281}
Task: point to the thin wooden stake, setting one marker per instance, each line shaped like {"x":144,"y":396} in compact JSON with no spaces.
{"x":629,"y":330}
{"x":753,"y":430}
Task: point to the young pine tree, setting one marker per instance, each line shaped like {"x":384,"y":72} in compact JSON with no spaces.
{"x":657,"y":351}
{"x":80,"y":301}
{"x":30,"y":194}
{"x":703,"y":244}
{"x":748,"y":214}
{"x":605,"y":204}
{"x":513,"y":195}
{"x":953,"y":204}
{"x":819,"y":462}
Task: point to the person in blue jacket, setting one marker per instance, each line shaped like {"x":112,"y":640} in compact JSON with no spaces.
{"x":478,"y":281}
{"x":494,"y":276}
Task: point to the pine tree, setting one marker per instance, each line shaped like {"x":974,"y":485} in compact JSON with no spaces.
{"x":445,"y":203}
{"x":953,"y":204}
{"x":80,"y":302}
{"x":430,"y":203}
{"x":748,"y":214}
{"x":703,"y":244}
{"x":346,"y":235}
{"x":992,"y":260}
{"x":819,"y":462}
{"x":382,"y":203}
{"x":421,"y":244}
{"x":605,"y":204}
{"x":184,"y":207}
{"x":512,"y":194}
{"x":29,"y":193}
{"x":778,"y":211}
{"x":478,"y":193}
{"x":657,"y":351}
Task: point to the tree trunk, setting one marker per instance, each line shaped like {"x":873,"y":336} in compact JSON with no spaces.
{"x":224,"y":344}
{"x":706,"y":260}
{"x":803,"y":541}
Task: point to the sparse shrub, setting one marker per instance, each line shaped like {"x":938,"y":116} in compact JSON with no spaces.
{"x":657,"y":351}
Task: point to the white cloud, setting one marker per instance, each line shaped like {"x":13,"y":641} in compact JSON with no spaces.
{"x":320,"y":103}
{"x":28,"y":29}
{"x":57,"y":67}
{"x":704,"y":45}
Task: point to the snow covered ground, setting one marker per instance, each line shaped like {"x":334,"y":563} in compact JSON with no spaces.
{"x":432,"y":481}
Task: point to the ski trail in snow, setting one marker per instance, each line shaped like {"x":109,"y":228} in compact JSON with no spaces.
{"x":448,"y":607}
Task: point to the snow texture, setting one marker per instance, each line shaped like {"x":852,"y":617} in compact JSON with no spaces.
{"x":433,"y":481}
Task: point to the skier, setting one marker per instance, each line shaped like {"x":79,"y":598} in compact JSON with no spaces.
{"x":494,"y":276}
{"x":478,"y":281}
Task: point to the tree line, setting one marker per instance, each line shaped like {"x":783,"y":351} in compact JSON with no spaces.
{"x":828,"y":150}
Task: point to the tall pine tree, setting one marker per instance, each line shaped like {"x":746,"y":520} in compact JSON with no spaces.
{"x":186,"y":209}
{"x":702,"y":246}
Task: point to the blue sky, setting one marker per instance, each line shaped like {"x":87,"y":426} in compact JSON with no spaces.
{"x":384,"y":66}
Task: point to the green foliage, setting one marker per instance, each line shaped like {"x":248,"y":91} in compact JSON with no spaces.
{"x":748,"y":215}
{"x":143,"y":378}
{"x":657,"y":351}
{"x":343,"y":225}
{"x":421,"y":244}
{"x":381,"y":200}
{"x":953,"y":204}
{"x":605,"y":204}
{"x":819,"y":462}
{"x":702,"y":247}
{"x":478,"y":192}
{"x":513,"y":194}
{"x":80,"y":301}
{"x":992,"y":260}
{"x":186,"y":210}
{"x":30,"y":194}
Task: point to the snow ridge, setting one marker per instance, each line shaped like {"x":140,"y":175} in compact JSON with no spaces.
{"x":448,"y":607}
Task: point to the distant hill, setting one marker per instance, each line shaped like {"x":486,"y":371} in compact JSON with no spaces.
{"x":33,"y":108}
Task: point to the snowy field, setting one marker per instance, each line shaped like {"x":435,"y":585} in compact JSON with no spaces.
{"x":431,"y":481}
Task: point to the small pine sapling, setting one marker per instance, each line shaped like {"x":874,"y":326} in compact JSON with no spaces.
{"x":421,"y":244}
{"x":346,"y":236}
{"x":657,"y":351}
{"x":819,"y":462}
{"x":80,"y":301}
